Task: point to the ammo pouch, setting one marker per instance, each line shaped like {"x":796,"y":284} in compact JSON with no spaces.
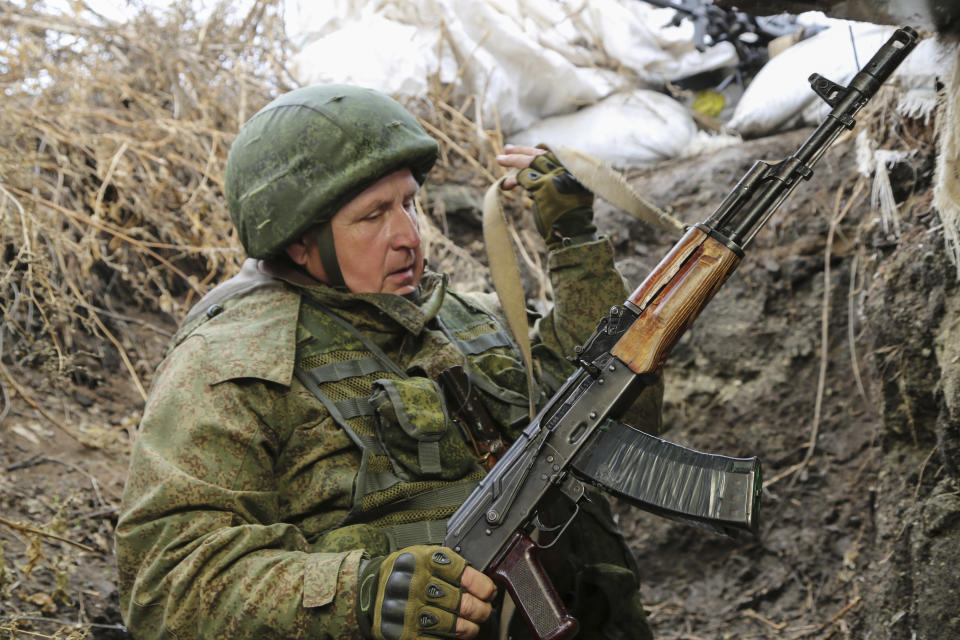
{"x":412,"y":427}
{"x":416,"y":467}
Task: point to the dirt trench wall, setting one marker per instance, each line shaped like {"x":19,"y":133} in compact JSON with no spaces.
{"x":913,"y":312}
{"x":863,"y":541}
{"x":912,"y":315}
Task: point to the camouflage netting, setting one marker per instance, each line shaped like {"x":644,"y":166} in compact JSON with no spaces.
{"x":113,"y":140}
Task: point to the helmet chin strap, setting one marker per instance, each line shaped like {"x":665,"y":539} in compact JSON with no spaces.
{"x":328,"y":256}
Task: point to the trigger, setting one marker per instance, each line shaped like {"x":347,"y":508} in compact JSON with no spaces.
{"x":573,"y":489}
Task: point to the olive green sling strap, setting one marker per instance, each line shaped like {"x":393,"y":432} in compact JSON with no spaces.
{"x":606,"y":183}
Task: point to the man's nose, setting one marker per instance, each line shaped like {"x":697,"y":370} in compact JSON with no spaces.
{"x":404,"y":231}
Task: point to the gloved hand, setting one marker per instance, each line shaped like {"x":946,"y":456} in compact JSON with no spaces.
{"x":563,"y":207}
{"x":422,"y":591}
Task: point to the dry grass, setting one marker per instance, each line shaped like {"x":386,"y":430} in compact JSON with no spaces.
{"x":111,"y":162}
{"x":113,"y":140}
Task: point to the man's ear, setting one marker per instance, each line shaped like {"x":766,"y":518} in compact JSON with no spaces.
{"x":297,"y":250}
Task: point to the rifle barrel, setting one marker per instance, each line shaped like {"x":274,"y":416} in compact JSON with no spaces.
{"x":771,"y":187}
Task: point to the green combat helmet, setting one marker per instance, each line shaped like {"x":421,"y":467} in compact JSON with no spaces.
{"x":302,"y":157}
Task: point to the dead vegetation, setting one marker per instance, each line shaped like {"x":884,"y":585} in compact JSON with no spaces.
{"x":111,"y":172}
{"x":114,"y":138}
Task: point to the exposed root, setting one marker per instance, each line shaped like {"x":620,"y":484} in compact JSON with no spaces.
{"x":839,"y":214}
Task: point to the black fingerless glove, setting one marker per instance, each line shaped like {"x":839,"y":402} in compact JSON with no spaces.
{"x":410,"y":594}
{"x":563,"y":207}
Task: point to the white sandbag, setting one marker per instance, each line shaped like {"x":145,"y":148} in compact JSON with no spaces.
{"x":308,"y":20}
{"x":518,"y":60}
{"x":374,"y":52}
{"x":918,"y":76}
{"x":626,"y":130}
{"x":780,"y":92}
{"x":928,"y":62}
{"x":516,"y":77}
{"x":705,"y":143}
{"x":483,"y":45}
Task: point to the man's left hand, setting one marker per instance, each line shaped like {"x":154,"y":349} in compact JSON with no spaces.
{"x":516,"y":157}
{"x":563,"y":207}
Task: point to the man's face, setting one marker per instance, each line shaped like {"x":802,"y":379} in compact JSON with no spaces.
{"x":376,"y":238}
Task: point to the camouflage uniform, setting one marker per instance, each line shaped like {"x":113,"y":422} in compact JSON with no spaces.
{"x":236,"y":515}
{"x":293,"y":427}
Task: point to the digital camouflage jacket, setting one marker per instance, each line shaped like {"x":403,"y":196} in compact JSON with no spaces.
{"x":251,"y":497}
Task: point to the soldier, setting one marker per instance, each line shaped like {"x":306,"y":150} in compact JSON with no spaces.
{"x":297,"y":460}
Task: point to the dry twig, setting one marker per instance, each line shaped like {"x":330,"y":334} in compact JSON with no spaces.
{"x":923,"y":467}
{"x":778,"y":626}
{"x":67,"y":430}
{"x":846,"y":609}
{"x":46,"y":534}
{"x":851,"y":333}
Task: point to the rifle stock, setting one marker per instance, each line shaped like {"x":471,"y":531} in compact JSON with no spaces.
{"x":494,"y":527}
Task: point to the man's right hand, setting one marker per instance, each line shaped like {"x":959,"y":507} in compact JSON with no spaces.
{"x":423,"y":591}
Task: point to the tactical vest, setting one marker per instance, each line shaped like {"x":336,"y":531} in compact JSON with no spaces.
{"x":416,"y":467}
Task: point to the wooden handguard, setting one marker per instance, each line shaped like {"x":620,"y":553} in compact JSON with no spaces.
{"x":520,"y":572}
{"x":672,"y":296}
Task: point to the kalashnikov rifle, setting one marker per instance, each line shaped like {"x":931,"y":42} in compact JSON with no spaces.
{"x":577,"y":438}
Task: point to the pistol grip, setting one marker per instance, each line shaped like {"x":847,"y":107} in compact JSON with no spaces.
{"x":519,"y":571}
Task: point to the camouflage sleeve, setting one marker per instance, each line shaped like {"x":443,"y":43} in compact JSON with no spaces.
{"x":200,"y":548}
{"x":591,"y":565}
{"x":586,"y":284}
